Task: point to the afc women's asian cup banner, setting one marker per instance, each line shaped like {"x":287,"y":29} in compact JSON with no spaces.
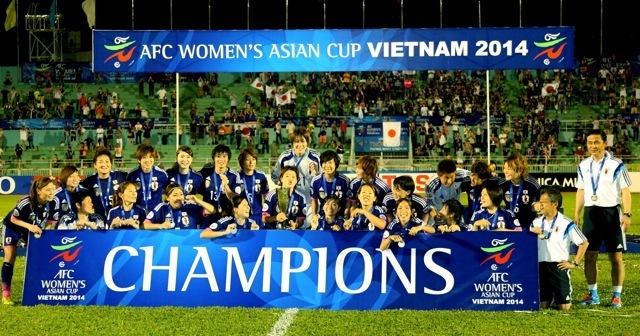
{"x":333,"y":50}
{"x":283,"y":269}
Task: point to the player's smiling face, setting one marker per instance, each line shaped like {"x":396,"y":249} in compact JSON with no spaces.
{"x":331,"y":208}
{"x":103,"y":164}
{"x":299,"y":145}
{"x":176,"y":198}
{"x":184,"y":160}
{"x":146,"y":163}
{"x":403,"y":211}
{"x":243,"y":209}
{"x":367,"y":196}
{"x":73,"y":180}
{"x":249,"y":163}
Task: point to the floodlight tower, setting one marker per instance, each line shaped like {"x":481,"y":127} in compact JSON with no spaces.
{"x":45,"y":35}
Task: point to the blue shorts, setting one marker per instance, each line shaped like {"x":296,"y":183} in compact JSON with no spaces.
{"x":12,"y":233}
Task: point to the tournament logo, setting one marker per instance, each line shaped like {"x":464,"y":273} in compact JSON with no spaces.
{"x":498,"y":254}
{"x":553,"y":47}
{"x":69,"y":250}
{"x":122,"y":51}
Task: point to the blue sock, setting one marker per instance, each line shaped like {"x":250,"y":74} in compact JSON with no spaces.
{"x":618,"y":294}
{"x":594,"y":293}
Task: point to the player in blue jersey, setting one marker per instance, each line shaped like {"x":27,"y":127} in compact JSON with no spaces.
{"x":480,"y":175}
{"x":104,"y":182}
{"x":275,"y":217}
{"x":32,"y":213}
{"x":449,"y":218}
{"x":404,"y":225}
{"x":366,"y":172}
{"x":69,"y":184}
{"x":254,"y":183}
{"x":220,"y":183}
{"x":150,"y":179}
{"x":491,"y":216}
{"x":182,"y":174}
{"x":450,"y":184}
{"x":178,"y":212}
{"x":239,"y":220}
{"x":403,"y":187}
{"x":330,"y":218}
{"x":330,"y":182}
{"x":126,"y":214}
{"x":366,"y":215}
{"x":83,"y":215}
{"x":307,"y":161}
{"x":521,"y":191}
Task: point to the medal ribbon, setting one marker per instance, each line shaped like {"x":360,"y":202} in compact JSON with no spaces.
{"x":514,"y":200}
{"x":594,"y":183}
{"x":104,"y":195}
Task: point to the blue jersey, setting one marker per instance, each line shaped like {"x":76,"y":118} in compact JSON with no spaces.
{"x":362,"y":223}
{"x":62,"y":202}
{"x":254,"y":188}
{"x":189,"y":216}
{"x":224,"y":222}
{"x":70,"y":221}
{"x":321,"y":188}
{"x":473,"y":196}
{"x":382,"y":189}
{"x":520,"y":198}
{"x":150,"y":186}
{"x":213,"y":193}
{"x":323,"y":224}
{"x":136,"y":212}
{"x":418,"y":204}
{"x":23,"y":211}
{"x":288,"y":158}
{"x":296,"y":205}
{"x":191,"y":182}
{"x":503,"y":218}
{"x":396,"y":228}
{"x":103,"y":190}
{"x":437,"y":193}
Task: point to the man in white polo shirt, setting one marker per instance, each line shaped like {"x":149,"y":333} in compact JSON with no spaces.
{"x":603,"y":186}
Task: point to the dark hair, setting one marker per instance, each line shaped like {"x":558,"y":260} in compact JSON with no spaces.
{"x":555,"y":196}
{"x":185,"y":149}
{"x":100,"y":152}
{"x":408,"y":201}
{"x":455,"y":209}
{"x":65,"y":172}
{"x":495,"y":193}
{"x":405,"y":182}
{"x":117,"y":200}
{"x":329,"y":155}
{"x":289,"y":168}
{"x":169,"y":188}
{"x":235,"y":202}
{"x":601,"y":133}
{"x":35,"y":186}
{"x":367,"y":184}
{"x":481,"y":169}
{"x":78,"y":197}
{"x":332,"y":197}
{"x":301,"y":132}
{"x":221,"y":149}
{"x":446,"y":166}
{"x":249,"y":151}
{"x":145,"y":149}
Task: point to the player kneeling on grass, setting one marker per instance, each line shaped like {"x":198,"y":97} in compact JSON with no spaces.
{"x":239,"y":220}
{"x":492,"y":217}
{"x":556,"y":232}
{"x":331,"y":220}
{"x":403,"y":226}
{"x":84,"y":214}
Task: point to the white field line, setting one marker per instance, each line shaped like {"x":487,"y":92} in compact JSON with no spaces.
{"x":283,"y":323}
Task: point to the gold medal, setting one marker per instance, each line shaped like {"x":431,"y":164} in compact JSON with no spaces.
{"x":594,"y":198}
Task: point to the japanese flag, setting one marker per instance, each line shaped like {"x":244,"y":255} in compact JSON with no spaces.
{"x":257,"y":83}
{"x":549,"y":88}
{"x":282,"y":99}
{"x":270,"y":90}
{"x":391,"y":133}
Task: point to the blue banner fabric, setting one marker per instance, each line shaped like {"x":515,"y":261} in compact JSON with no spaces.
{"x":283,"y":269}
{"x":334,"y":50}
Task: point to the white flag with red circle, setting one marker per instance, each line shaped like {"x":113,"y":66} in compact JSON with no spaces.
{"x":257,"y":83}
{"x":391,"y":133}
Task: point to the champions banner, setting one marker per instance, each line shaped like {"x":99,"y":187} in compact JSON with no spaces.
{"x":283,"y":269}
{"x":333,"y":50}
